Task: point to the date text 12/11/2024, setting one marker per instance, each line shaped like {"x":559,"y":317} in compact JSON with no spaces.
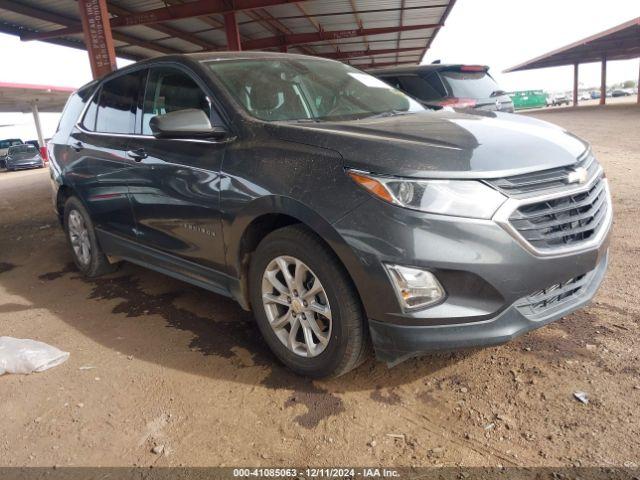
{"x":316,"y":472}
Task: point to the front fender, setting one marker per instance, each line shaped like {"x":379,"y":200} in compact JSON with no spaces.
{"x":281,"y":205}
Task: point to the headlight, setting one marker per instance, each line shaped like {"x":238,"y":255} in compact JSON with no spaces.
{"x":461,"y":198}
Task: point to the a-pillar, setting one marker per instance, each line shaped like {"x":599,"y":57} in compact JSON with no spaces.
{"x":97,"y":36}
{"x":231,"y":29}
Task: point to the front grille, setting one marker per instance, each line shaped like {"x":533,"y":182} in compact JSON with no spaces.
{"x":554,"y":297}
{"x":545,"y":181}
{"x":565,"y":220}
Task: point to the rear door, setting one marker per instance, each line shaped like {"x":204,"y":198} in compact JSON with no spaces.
{"x":97,"y":166}
{"x":175,"y":187}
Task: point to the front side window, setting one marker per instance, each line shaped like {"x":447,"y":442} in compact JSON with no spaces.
{"x":169,"y":90}
{"x":308,"y":89}
{"x":116,"y":106}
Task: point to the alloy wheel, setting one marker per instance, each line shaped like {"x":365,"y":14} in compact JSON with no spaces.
{"x":297,"y":306}
{"x":79,"y":236}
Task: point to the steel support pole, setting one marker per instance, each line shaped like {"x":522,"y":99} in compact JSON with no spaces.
{"x":97,"y":36}
{"x":603,"y":81}
{"x":638,"y":84}
{"x":36,"y":120}
{"x":575,"y":84}
{"x":232,"y":31}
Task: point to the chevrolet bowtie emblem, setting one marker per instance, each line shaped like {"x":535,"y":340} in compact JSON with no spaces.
{"x":579,"y":175}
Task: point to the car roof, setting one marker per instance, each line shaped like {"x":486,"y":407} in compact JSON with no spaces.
{"x":432,"y":67}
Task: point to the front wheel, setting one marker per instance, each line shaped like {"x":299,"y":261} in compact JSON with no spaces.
{"x":306,"y":305}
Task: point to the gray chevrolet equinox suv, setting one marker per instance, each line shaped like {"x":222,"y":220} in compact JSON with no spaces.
{"x":338,"y":209}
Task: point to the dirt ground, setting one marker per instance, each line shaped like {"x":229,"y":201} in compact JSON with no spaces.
{"x":156,"y":362}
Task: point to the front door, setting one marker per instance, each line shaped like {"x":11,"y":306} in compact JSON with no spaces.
{"x":175,"y":189}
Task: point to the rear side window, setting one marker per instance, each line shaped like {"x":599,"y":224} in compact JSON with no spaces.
{"x":70,"y":114}
{"x":116,"y":106}
{"x":425,"y":88}
{"x":73,"y":109}
{"x":169,"y":90}
{"x":469,"y":84}
{"x":393,"y":81}
{"x":89,"y":120}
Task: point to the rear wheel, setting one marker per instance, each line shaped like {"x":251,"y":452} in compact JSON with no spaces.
{"x":87,"y":255}
{"x":305,"y":304}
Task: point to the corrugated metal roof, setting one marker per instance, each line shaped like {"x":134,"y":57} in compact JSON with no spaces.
{"x":618,"y":43}
{"x":333,"y":28}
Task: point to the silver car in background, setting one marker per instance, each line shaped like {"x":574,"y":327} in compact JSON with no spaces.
{"x":23,"y":156}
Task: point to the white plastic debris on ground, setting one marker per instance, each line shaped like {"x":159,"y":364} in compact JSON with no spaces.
{"x":21,"y":355}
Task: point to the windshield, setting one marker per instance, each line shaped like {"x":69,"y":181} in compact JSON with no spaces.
{"x":22,"y":149}
{"x":315,"y":90}
{"x":8,"y":143}
{"x":469,"y":84}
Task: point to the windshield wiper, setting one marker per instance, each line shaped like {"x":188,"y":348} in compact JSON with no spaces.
{"x":497,"y":93}
{"x":389,"y":113}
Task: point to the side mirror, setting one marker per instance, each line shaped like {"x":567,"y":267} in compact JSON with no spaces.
{"x":187,"y":123}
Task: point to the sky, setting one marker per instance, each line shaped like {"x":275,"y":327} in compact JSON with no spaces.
{"x":498,"y":33}
{"x":504,"y":33}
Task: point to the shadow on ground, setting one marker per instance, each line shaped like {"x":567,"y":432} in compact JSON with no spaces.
{"x":218,"y":329}
{"x":128,"y":310}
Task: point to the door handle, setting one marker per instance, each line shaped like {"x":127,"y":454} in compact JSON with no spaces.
{"x":77,"y":146}
{"x":137,"y":154}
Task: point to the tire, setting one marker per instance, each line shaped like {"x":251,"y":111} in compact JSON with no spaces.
{"x":95,"y":263}
{"x":346,"y":333}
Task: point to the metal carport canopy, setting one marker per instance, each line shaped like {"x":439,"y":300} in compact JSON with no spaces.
{"x":621,"y":42}
{"x":22,"y":97}
{"x":364,"y":33}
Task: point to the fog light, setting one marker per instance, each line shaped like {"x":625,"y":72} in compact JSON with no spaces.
{"x":415,"y":288}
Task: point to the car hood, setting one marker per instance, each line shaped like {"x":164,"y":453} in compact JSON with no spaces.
{"x":442,"y":144}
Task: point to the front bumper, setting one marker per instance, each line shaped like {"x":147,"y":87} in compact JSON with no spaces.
{"x":396,"y":343}
{"x":487,"y":273}
{"x":25,"y":165}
